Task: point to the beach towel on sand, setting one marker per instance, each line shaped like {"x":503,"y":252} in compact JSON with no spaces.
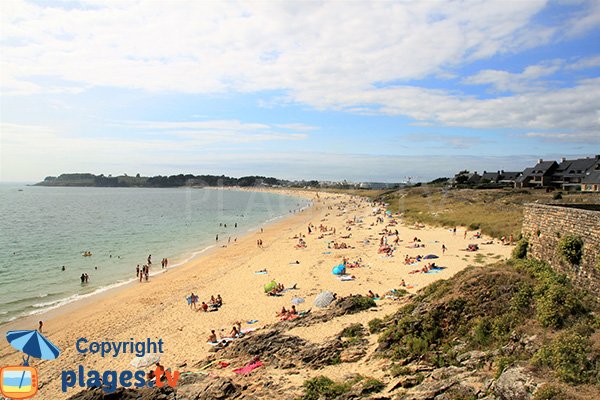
{"x":248,"y":368}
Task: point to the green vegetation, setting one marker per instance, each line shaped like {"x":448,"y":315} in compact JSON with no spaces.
{"x":549,"y":392}
{"x":362,"y":303}
{"x":489,"y":308}
{"x":376,"y":325}
{"x":322,"y":387}
{"x":570,"y":249}
{"x":353,"y":331}
{"x":520,"y":250}
{"x":372,"y":385}
{"x":567,"y":355}
{"x":495,"y":212}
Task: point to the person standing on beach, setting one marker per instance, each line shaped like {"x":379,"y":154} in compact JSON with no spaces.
{"x":137,"y":271}
{"x":40,"y":327}
{"x":443,"y":249}
{"x":142,"y":273}
{"x":193,"y":301}
{"x":149,"y":259}
{"x":166,"y":262}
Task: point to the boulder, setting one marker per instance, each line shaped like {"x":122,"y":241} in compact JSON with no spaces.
{"x":515,"y":384}
{"x":209,"y":388}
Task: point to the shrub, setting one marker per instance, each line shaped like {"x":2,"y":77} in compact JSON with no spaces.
{"x":372,"y":385}
{"x":521,"y":301}
{"x":570,"y":249}
{"x":474,"y":226}
{"x":557,"y":196}
{"x":549,"y":392}
{"x":353,"y":331}
{"x":520,"y":250}
{"x":399,"y":370}
{"x":567,"y":355}
{"x":363,"y":303}
{"x":376,"y":325}
{"x":556,"y":301}
{"x":321,"y":386}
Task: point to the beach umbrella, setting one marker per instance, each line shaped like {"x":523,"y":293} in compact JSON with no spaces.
{"x":32,"y":343}
{"x":339,"y":269}
{"x":270,"y":286}
{"x":146,"y":360}
{"x":430,"y":257}
{"x":324,"y":299}
{"x":297,"y":300}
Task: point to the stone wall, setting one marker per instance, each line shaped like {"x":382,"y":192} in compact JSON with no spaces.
{"x":544,"y":226}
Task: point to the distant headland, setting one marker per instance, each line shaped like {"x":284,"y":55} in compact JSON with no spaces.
{"x":189,"y":180}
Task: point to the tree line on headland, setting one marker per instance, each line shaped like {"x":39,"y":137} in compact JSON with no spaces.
{"x":160,"y":181}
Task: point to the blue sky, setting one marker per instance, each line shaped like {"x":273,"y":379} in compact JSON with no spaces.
{"x":298,"y":90}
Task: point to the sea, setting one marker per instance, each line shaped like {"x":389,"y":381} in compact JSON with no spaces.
{"x":43,"y":229}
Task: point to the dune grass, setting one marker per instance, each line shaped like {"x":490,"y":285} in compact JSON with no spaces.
{"x":496,"y":212}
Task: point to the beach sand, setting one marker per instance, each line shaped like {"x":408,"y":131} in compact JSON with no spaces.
{"x":158,"y":309}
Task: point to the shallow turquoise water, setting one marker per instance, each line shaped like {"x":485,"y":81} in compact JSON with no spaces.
{"x":44,"y":228}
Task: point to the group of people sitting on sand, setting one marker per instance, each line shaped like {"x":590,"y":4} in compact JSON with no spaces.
{"x":425,"y":269}
{"x":301,"y":244}
{"x":338,"y":246}
{"x":471,"y":247}
{"x":213,"y":305}
{"x":411,"y":260}
{"x":354,"y":264}
{"x":386,"y":249}
{"x":372,"y":295}
{"x":276,"y":291}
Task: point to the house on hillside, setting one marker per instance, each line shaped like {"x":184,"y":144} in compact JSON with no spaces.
{"x":542,"y":173}
{"x":591,"y":181}
{"x":569,"y":174}
{"x":524,"y":179}
{"x":465,"y":178}
{"x":490,"y":177}
{"x":509,"y":178}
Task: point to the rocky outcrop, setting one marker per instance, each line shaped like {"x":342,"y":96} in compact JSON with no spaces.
{"x":515,"y":384}
{"x":285,"y":351}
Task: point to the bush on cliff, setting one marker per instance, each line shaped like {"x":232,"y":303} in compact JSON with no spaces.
{"x":570,"y":249}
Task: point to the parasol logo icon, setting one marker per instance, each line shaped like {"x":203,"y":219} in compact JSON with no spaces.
{"x":21,"y":382}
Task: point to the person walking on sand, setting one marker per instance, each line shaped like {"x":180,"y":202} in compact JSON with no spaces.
{"x":443,"y":249}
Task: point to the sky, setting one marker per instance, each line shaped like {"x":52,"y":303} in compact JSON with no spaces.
{"x":355,"y":90}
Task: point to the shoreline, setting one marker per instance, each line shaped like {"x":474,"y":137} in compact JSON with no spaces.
{"x":158,"y":310}
{"x":76,"y":301}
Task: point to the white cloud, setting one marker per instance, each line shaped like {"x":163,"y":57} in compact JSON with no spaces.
{"x":569,"y":137}
{"x":526,"y":81}
{"x":200,"y":47}
{"x":332,"y":55}
{"x":585,"y":63}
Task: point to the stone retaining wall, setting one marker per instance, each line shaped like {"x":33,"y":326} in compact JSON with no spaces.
{"x":544,"y":226}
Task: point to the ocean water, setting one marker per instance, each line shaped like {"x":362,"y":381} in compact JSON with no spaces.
{"x":44,"y":228}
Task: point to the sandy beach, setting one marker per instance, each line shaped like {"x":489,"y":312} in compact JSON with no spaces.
{"x":158,"y":309}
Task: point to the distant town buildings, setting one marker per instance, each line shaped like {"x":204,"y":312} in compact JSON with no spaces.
{"x":569,"y":175}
